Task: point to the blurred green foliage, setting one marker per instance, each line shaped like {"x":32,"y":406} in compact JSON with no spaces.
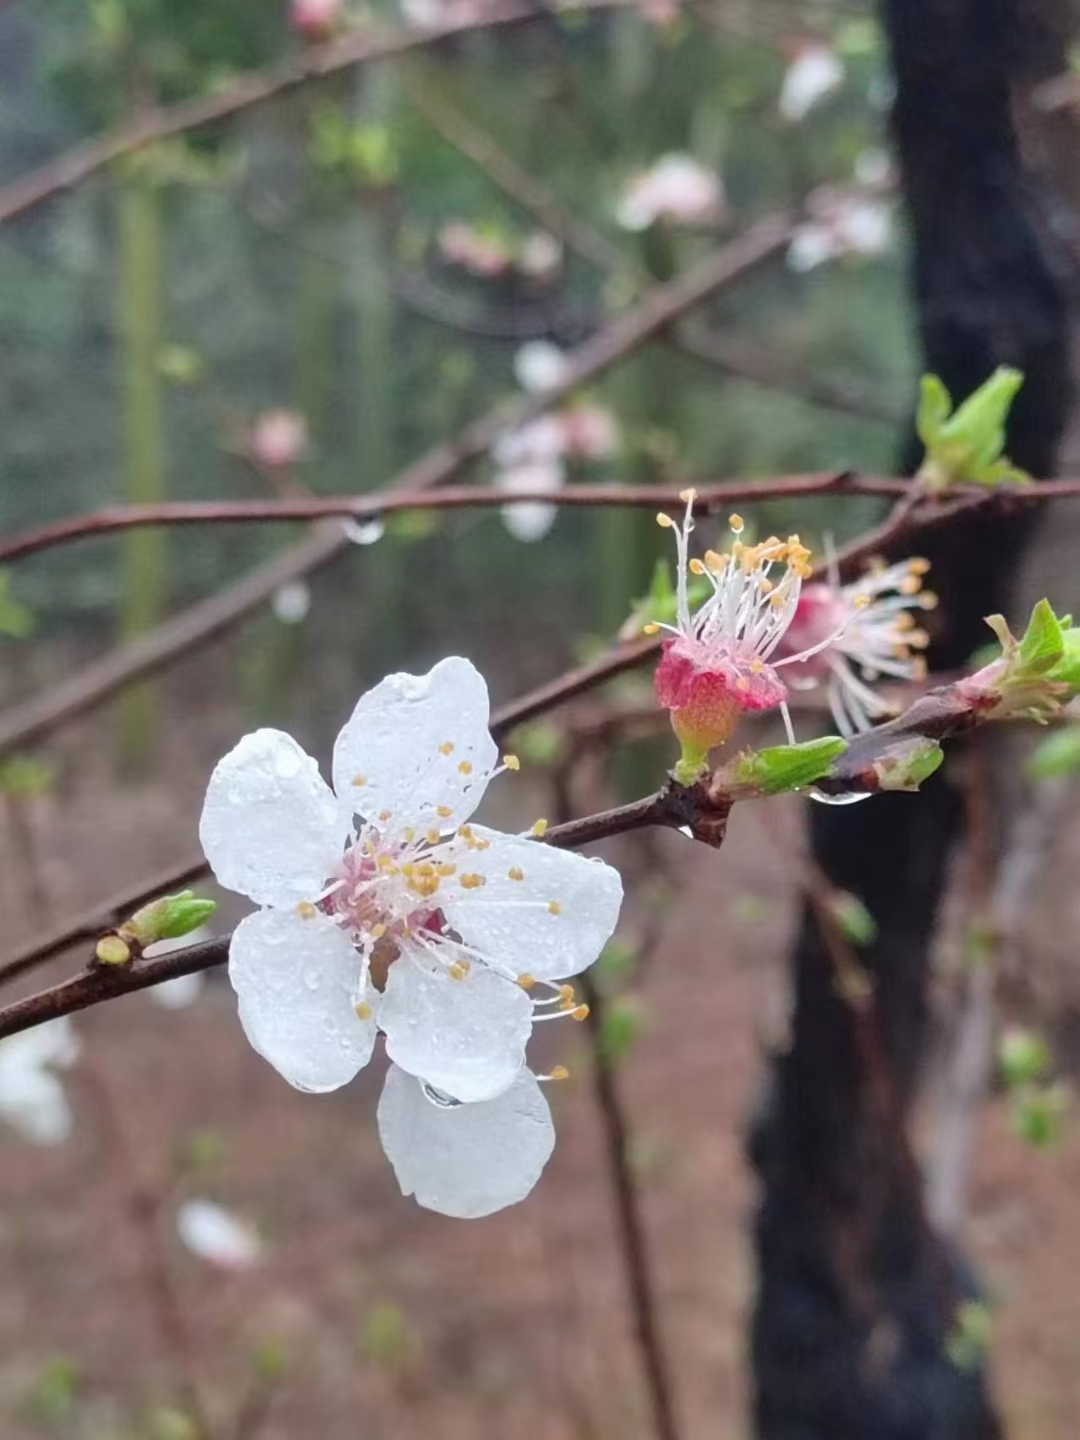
{"x":300,"y":267}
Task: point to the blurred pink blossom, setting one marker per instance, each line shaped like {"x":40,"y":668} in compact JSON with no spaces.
{"x":314,"y":19}
{"x":677,"y":189}
{"x":278,"y":438}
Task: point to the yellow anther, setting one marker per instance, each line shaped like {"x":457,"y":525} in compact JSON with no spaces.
{"x":515,"y":873}
{"x":306,"y":910}
{"x":426,"y":869}
{"x":433,"y":837}
{"x":554,"y":908}
{"x":688,"y":496}
{"x":539,"y":828}
{"x":457,"y":971}
{"x":408,"y":870}
{"x":359,"y":779}
{"x":443,"y":811}
{"x":715,"y":562}
{"x":566,"y":992}
{"x":526,"y":981}
{"x":445,"y":868}
{"x":756,"y":666}
{"x":465,"y":767}
{"x":511,"y":762}
{"x":378,"y":931}
{"x":929,"y":600}
{"x":466,"y":833}
{"x":363,"y":1010}
{"x":473,"y":881}
{"x":409,"y":834}
{"x":918,"y":566}
{"x":650,"y":629}
{"x":580,"y":1013}
{"x":446,"y":748}
{"x":386,"y":864}
{"x":742,"y":683}
{"x":385,"y":814}
{"x":736,"y":523}
{"x":665,"y":521}
{"x":910,"y":585}
{"x":482,"y":845}
{"x":861,"y":602}
{"x":559,"y":1072}
{"x":696,"y":566}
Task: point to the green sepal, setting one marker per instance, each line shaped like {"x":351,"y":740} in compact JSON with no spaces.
{"x":168,"y":918}
{"x":788,"y":767}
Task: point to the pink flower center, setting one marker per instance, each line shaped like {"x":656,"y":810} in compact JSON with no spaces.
{"x":707,"y":686}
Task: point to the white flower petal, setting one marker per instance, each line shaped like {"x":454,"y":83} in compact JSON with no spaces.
{"x":551,"y":923}
{"x":32,"y":1099}
{"x":212,"y":1233}
{"x":467,"y":1037}
{"x":270,"y":827}
{"x":465,"y":1160}
{"x":297,"y":982}
{"x":415,"y":745}
{"x":531,"y":522}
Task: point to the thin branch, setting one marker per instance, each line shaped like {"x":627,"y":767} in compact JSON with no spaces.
{"x":93,"y":923}
{"x":316,"y":62}
{"x":660,"y":308}
{"x":702,"y":809}
{"x":366,"y":507}
{"x":898,"y":525}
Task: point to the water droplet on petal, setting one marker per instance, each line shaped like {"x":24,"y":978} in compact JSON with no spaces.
{"x":367,"y":531}
{"x":850,"y":799}
{"x":311,"y":978}
{"x":439,"y":1097}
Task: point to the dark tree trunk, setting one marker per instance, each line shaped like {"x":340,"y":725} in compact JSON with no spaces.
{"x":857,"y":1296}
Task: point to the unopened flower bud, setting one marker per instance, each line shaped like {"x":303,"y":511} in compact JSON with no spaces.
{"x":168,"y":918}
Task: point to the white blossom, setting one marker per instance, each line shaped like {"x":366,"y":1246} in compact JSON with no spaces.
{"x":539,"y":365}
{"x":677,"y":189}
{"x":32,"y":1098}
{"x":859,"y":633}
{"x":214,"y":1234}
{"x":292,"y":602}
{"x":840,"y":223}
{"x":815,"y":72}
{"x":384,"y":908}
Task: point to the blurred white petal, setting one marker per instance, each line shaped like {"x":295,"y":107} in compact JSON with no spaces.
{"x":212,"y":1233}
{"x":814,"y":73}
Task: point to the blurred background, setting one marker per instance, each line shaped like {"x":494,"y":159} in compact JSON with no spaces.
{"x":306,"y":297}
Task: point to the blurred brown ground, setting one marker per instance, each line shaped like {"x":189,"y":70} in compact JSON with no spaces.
{"x":398,"y":1323}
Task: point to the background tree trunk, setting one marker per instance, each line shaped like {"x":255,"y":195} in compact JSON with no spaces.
{"x":857,"y":1296}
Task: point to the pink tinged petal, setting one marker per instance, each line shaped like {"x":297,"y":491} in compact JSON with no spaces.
{"x":417,"y":749}
{"x":550,"y":923}
{"x":212,"y":1233}
{"x":297,"y":980}
{"x":466,"y":1161}
{"x":465,"y":1036}
{"x":270,"y":825}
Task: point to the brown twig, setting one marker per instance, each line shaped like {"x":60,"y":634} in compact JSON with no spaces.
{"x":90,"y":925}
{"x":316,"y":62}
{"x":365,"y":507}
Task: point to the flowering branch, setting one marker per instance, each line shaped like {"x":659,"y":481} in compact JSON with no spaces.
{"x":1033,"y":678}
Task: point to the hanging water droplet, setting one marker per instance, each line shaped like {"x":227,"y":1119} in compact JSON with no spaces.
{"x":850,"y":799}
{"x":366,"y":531}
{"x":439,"y":1097}
{"x":311,"y":978}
